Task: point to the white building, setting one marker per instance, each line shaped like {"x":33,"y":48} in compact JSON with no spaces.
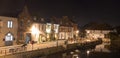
{"x":97,"y":33}
{"x":37,"y":32}
{"x":66,"y":32}
{"x":42,"y":32}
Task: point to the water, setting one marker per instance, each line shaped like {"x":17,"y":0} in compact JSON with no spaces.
{"x":98,"y":52}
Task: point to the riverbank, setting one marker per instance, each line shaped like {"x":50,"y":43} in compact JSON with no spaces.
{"x":115,"y":45}
{"x":50,"y":50}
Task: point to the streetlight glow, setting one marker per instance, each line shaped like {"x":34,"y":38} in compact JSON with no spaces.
{"x":34,"y":30}
{"x":77,"y":31}
{"x":88,"y":52}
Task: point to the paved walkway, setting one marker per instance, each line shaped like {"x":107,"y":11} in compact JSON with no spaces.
{"x":17,"y":48}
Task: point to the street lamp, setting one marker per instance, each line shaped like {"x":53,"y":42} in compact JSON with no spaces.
{"x":34,"y":30}
{"x":77,"y":32}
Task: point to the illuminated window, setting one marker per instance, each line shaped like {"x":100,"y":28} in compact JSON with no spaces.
{"x":10,"y":24}
{"x":48,"y":28}
{"x":9,"y":37}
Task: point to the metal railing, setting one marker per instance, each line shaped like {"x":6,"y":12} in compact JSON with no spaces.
{"x":18,"y":48}
{"x":11,"y":49}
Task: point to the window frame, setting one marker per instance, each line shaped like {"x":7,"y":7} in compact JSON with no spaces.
{"x":10,"y":24}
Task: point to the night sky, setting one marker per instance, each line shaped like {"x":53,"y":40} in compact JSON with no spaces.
{"x":84,"y":11}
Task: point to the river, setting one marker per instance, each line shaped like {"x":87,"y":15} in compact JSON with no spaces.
{"x":98,"y":52}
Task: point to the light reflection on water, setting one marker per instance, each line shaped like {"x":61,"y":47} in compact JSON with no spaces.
{"x":77,"y":54}
{"x":83,"y":54}
{"x":80,"y":54}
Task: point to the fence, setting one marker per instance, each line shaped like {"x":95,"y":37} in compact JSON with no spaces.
{"x":11,"y":49}
{"x":18,"y":48}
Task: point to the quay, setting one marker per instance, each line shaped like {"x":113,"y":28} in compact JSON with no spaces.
{"x":38,"y":50}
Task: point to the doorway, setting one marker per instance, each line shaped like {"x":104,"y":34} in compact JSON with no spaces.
{"x":9,"y":39}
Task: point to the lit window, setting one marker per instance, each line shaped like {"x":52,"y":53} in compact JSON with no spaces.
{"x":9,"y":37}
{"x":10,"y":24}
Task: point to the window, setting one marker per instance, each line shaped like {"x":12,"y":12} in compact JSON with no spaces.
{"x":10,"y":24}
{"x":9,"y":37}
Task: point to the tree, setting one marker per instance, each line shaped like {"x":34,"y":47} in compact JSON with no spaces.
{"x":83,"y":34}
{"x":118,"y":29}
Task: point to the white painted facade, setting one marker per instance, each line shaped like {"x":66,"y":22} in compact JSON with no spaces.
{"x":66,"y":32}
{"x":97,"y":33}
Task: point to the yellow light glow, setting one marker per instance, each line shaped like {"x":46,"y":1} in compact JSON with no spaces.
{"x":77,"y":31}
{"x":88,"y":40}
{"x":48,"y":36}
{"x":56,"y":36}
{"x":48,"y":28}
{"x":48,"y":31}
{"x":35,"y":30}
{"x":88,"y":52}
{"x":88,"y":31}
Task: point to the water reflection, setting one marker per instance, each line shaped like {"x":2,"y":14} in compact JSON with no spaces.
{"x":75,"y":56}
{"x":89,"y":53}
{"x":102,"y":48}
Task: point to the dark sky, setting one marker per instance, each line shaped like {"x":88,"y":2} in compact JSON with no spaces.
{"x":85,"y":11}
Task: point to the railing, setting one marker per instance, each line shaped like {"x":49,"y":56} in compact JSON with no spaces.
{"x":11,"y":49}
{"x":18,"y":48}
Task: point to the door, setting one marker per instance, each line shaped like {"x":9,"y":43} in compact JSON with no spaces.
{"x":28,"y":38}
